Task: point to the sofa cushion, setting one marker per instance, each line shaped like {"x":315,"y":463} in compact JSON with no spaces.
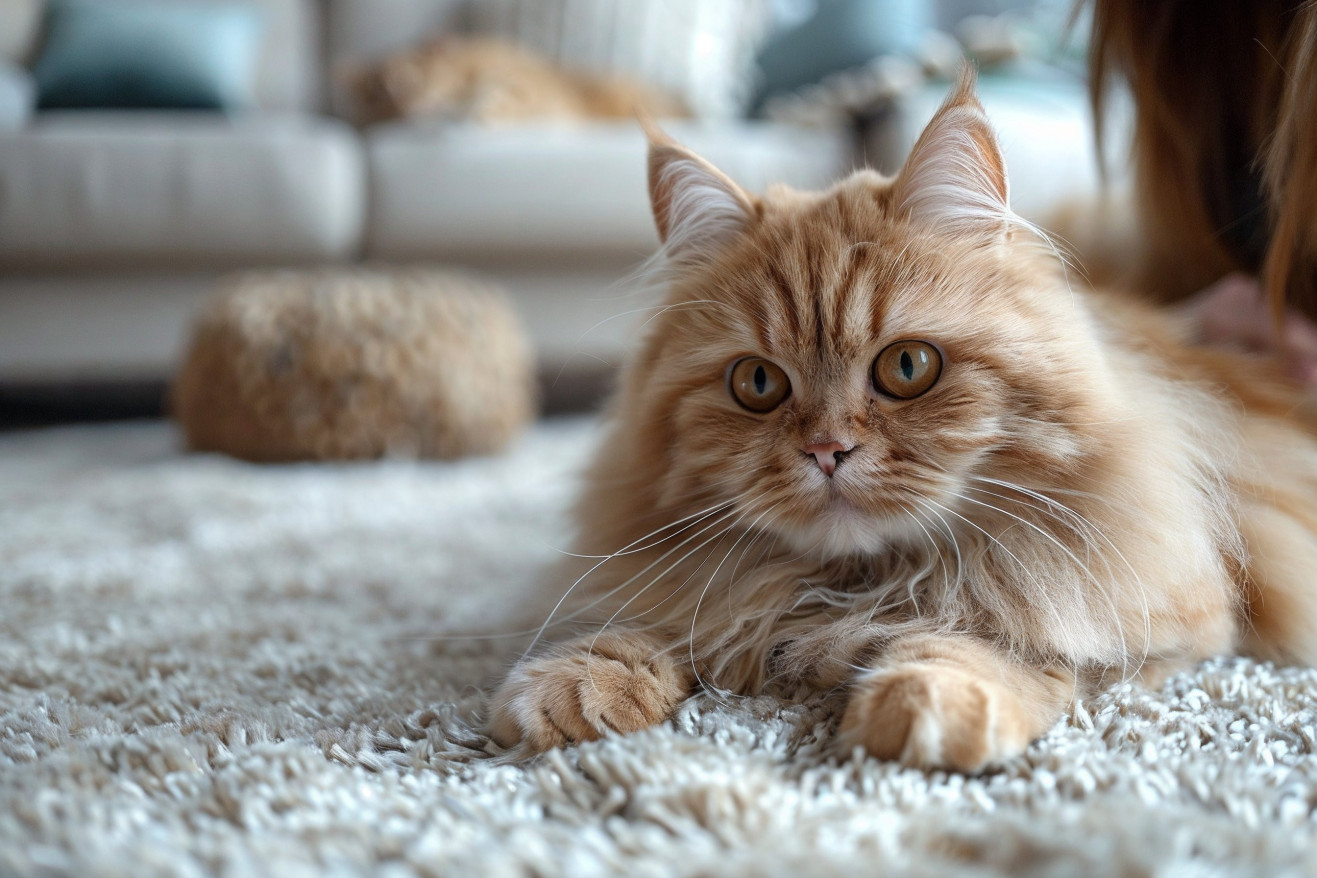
{"x":702,"y":51}
{"x":359,"y":32}
{"x":365,"y":30}
{"x":470,"y":192}
{"x":289,"y":73}
{"x":145,"y":189}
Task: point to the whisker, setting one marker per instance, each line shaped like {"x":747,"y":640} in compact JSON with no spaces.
{"x":1052,"y":502}
{"x":721,"y":535}
{"x":731,"y":577}
{"x":719,"y":517}
{"x":955,"y":544}
{"x":698,"y":516}
{"x":1029,"y":574}
{"x":1137,"y":580}
{"x":1120,"y":631}
{"x":660,"y":308}
{"x":932,"y":542}
{"x":696,"y":613}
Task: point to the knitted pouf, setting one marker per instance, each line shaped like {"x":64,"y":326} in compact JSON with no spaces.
{"x":346,"y":363}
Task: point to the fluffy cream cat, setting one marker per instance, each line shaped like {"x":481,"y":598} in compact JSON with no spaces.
{"x":876,"y":441}
{"x":494,"y":82}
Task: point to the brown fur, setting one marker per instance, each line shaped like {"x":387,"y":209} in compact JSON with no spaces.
{"x":1223,"y":93}
{"x":1061,"y":509}
{"x":487,"y":80}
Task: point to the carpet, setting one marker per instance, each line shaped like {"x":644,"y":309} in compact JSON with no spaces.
{"x":208,"y":667}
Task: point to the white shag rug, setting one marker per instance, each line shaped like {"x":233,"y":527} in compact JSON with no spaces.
{"x":208,"y":667}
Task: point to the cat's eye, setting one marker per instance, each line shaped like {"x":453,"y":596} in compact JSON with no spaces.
{"x":758,"y":385}
{"x":906,"y":369}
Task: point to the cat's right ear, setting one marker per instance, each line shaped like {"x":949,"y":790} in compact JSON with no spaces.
{"x":955,"y":177}
{"x":697,"y":208}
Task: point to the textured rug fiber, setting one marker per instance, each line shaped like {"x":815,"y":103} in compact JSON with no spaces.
{"x":208,"y":667}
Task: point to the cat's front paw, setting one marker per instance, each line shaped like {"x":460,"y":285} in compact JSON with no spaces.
{"x":583,"y":692}
{"x":929,"y":715}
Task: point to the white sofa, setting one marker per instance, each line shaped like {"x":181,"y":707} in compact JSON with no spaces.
{"x":115,"y":225}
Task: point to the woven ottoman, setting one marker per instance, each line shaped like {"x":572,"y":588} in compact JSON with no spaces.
{"x":352,"y":363}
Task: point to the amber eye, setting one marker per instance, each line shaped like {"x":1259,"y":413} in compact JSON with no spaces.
{"x":906,"y":369}
{"x":758,"y":384}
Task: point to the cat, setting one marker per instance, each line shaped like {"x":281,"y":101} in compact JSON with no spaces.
{"x":492,"y":82}
{"x":876,"y":442}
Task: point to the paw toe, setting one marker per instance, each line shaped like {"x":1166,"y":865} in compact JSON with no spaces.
{"x":623,"y":699}
{"x":565,"y":700}
{"x":928,"y":718}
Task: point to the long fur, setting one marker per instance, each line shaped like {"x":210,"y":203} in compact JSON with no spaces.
{"x":1069,"y":498}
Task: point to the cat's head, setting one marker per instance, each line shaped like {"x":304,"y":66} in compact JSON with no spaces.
{"x":848,"y":366}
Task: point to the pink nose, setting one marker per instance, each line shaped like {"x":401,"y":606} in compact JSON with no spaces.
{"x":826,"y":454}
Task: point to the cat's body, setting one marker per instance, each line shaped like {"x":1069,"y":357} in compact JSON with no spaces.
{"x":1076,"y":497}
{"x":494,"y":82}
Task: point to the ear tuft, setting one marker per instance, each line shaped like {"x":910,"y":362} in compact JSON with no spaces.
{"x":697,"y":208}
{"x":955,"y":176}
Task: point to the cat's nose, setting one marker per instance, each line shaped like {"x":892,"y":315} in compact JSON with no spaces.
{"x":828,"y":454}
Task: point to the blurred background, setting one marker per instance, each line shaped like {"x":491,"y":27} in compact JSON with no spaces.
{"x":150,"y":147}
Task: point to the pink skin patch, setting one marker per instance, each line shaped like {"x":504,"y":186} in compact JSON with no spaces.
{"x":1233,"y":313}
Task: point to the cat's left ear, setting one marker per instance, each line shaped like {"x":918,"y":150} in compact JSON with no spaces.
{"x":955,"y":177}
{"x":697,"y":208}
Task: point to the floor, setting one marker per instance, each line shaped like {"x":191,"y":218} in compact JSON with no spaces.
{"x":579,"y":387}
{"x":211,"y":667}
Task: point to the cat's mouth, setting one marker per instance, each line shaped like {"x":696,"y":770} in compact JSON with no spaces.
{"x":844,"y":528}
{"x":848,"y":496}
{"x":845,"y":519}
{"x":838,"y":503}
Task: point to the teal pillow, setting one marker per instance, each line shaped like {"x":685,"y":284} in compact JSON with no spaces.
{"x":841,"y":34}
{"x":148,"y":53}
